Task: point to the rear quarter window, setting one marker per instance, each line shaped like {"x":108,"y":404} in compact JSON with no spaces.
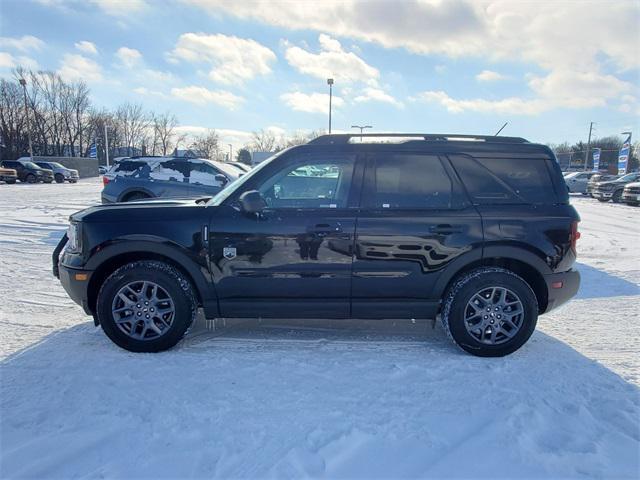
{"x":505,"y":180}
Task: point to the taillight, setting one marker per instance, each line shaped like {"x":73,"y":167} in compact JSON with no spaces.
{"x":575,"y":235}
{"x":105,"y":180}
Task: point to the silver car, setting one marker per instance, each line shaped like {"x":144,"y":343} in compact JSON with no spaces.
{"x":61,"y":173}
{"x":577,"y":181}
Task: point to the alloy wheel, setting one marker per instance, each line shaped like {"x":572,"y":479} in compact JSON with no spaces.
{"x":494,"y":315}
{"x":143,"y":310}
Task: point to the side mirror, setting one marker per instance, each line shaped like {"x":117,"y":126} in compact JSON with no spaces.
{"x":222,"y":179}
{"x":252,"y":202}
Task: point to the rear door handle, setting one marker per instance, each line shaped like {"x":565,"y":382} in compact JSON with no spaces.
{"x":445,"y":229}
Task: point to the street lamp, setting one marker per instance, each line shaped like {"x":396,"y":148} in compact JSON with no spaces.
{"x":23,"y":82}
{"x":230,"y":152}
{"x":330,"y":83}
{"x":361,"y":129}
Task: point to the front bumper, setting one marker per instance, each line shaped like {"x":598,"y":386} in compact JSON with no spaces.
{"x":598,"y":194}
{"x":631,"y":197}
{"x":74,"y":281}
{"x":561,"y":288}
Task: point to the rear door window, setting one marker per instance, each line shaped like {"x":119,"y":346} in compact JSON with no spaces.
{"x":505,"y":180}
{"x":408,"y":181}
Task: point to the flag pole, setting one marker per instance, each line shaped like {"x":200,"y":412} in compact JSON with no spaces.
{"x":106,"y":144}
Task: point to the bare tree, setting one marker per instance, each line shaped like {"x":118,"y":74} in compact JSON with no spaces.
{"x":207,"y":144}
{"x":164,"y":132}
{"x":262,"y":141}
{"x":133,"y":124}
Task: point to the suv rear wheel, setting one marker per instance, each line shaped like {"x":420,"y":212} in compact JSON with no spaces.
{"x":146,"y":306}
{"x":135,"y":196}
{"x":490,"y":312}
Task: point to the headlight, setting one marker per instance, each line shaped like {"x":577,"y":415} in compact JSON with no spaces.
{"x":73,"y":234}
{"x":67,"y":174}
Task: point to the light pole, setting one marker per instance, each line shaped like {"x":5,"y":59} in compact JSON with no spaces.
{"x":23,"y":82}
{"x":586,"y":157}
{"x":361,"y":129}
{"x":330,"y":83}
{"x":230,"y":152}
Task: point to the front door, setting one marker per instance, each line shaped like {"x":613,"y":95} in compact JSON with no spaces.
{"x":415,"y":221}
{"x":294,"y":259}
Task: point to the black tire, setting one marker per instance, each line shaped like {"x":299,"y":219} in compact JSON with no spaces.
{"x":135,"y":196}
{"x":10,"y":181}
{"x":73,"y":181}
{"x":31,"y":178}
{"x":603,"y":200}
{"x":59,"y":178}
{"x":462,"y":291}
{"x":617,"y":196}
{"x":171,"y":280}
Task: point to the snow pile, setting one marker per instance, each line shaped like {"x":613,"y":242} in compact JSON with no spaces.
{"x":314,"y":399}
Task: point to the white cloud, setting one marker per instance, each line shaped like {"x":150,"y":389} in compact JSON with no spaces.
{"x":311,"y":103}
{"x":24,"y":43}
{"x":489,"y":76}
{"x":203,"y":96}
{"x":148,"y":92}
{"x":86,"y":47}
{"x":75,"y":68}
{"x":533,"y":31}
{"x":376,"y":95}
{"x":129,"y":57}
{"x":121,"y":8}
{"x":232,"y":59}
{"x":9,"y":61}
{"x":512,"y":105}
{"x":567,"y":88}
{"x":576,"y":36}
{"x":332,"y":62}
{"x":440,"y":69}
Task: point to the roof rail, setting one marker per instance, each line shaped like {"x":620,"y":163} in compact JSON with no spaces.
{"x":343,"y":138}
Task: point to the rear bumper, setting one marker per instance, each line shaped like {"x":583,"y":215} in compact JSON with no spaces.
{"x":561,"y":288}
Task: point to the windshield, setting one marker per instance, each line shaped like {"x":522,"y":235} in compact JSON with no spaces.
{"x":236,"y":184}
{"x":31,"y":165}
{"x":56,"y":165}
{"x":628,"y":176}
{"x":227,"y":169}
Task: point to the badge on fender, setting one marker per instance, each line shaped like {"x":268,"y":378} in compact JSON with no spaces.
{"x":229,"y":252}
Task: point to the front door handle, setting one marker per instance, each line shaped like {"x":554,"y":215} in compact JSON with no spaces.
{"x":445,"y":229}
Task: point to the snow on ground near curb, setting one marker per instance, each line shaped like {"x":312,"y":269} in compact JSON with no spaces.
{"x":314,"y":399}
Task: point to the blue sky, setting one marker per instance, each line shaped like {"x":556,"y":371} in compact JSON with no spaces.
{"x":548,"y":68}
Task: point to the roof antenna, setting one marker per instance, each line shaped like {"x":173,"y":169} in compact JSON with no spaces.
{"x":501,"y":128}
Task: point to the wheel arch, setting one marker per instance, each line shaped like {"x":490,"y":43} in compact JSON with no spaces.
{"x":133,"y":190}
{"x":522,"y":268}
{"x":115,"y":258}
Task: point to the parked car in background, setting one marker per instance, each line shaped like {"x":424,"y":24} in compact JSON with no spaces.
{"x":8,"y":175}
{"x":577,"y":181}
{"x":28,"y":172}
{"x":102,"y":169}
{"x":631,"y":194}
{"x":612,"y":190}
{"x":60,"y":172}
{"x":597,"y":178}
{"x":476,"y":230}
{"x":153,"y":177}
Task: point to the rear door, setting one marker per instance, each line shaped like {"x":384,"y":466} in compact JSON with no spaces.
{"x":414,"y":222}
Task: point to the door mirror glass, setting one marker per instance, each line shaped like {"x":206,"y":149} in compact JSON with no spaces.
{"x":252,"y":202}
{"x":221,"y":179}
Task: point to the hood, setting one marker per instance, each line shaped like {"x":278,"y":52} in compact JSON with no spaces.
{"x":157,"y":209}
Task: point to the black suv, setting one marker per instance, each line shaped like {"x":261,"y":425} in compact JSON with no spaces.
{"x":477,"y":230}
{"x":28,"y":171}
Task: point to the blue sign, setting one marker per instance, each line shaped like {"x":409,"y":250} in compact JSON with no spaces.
{"x":93,"y":151}
{"x":596,"y":159}
{"x":623,"y":160}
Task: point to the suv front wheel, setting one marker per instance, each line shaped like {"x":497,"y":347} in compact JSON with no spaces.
{"x":146,"y":306}
{"x":490,"y":312}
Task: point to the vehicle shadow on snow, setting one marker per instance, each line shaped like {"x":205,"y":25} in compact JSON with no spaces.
{"x":292,"y":399}
{"x":595,"y":283}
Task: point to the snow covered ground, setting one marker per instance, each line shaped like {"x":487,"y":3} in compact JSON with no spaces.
{"x":321,"y":399}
